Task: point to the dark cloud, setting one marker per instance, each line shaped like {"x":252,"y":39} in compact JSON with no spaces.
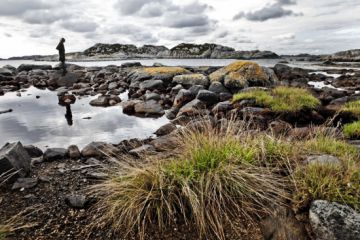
{"x":270,"y":11}
{"x":129,"y":7}
{"x":187,"y":21}
{"x":18,"y":7}
{"x":78,"y":25}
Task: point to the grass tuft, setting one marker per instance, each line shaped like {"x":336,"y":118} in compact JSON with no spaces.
{"x":352,"y":130}
{"x":165,"y":70}
{"x":353,"y":107}
{"x":281,"y":99}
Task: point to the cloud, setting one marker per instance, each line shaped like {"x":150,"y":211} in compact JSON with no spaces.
{"x":187,"y":21}
{"x":7,"y":35}
{"x":128,"y":7}
{"x":270,"y":11}
{"x":18,"y":7}
{"x":133,"y":32}
{"x":78,"y":25}
{"x":285,"y":37}
{"x":44,"y":16}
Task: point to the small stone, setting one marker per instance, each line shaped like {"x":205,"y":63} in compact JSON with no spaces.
{"x":76,"y":201}
{"x":25,"y":183}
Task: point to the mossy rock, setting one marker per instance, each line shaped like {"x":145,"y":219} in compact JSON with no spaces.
{"x":153,"y":71}
{"x":242,"y":74}
{"x":189,"y":80}
{"x":161,"y":73}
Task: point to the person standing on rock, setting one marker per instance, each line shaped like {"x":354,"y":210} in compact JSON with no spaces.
{"x":61,"y":48}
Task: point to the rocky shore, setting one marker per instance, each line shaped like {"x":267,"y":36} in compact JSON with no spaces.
{"x":49,"y":192}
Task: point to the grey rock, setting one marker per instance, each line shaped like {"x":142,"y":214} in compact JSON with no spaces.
{"x":189,"y":80}
{"x":222,"y":107}
{"x":29,"y":67}
{"x":218,"y":87}
{"x":101,"y":101}
{"x":92,"y":161}
{"x":209,"y":98}
{"x":77,"y":201}
{"x":164,"y":143}
{"x":166,"y":129}
{"x":149,"y":108}
{"x":96,"y":149}
{"x":112,"y":86}
{"x":6,"y":72}
{"x":196,"y":89}
{"x":192,"y":108}
{"x":25,"y":183}
{"x":97,"y":175}
{"x":65,"y":81}
{"x":332,"y":221}
{"x":152,"y":85}
{"x":175,"y":90}
{"x":14,"y":156}
{"x":184,"y":96}
{"x":145,"y":149}
{"x":74,"y":152}
{"x":152,"y":96}
{"x":131,"y":64}
{"x":323,"y":160}
{"x":252,"y":110}
{"x":129,"y":106}
{"x":34,"y":152}
{"x":52,"y":154}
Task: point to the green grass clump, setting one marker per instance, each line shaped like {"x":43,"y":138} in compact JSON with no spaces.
{"x":333,"y":182}
{"x":353,"y":107}
{"x":281,"y":99}
{"x":216,"y":178}
{"x":352,"y":130}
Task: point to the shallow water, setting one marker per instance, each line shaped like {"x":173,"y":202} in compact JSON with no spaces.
{"x":42,"y":121}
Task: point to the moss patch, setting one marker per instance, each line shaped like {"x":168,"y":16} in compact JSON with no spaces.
{"x":165,"y":70}
{"x":353,"y":107}
{"x":281,"y":99}
{"x":352,"y":130}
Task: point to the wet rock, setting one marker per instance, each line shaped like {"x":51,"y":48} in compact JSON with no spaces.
{"x":25,"y":183}
{"x":218,"y":87}
{"x":332,"y":221}
{"x":143,"y":150}
{"x":152,"y":96}
{"x":77,"y":201}
{"x":34,"y":152}
{"x":29,"y":67}
{"x":149,"y":108}
{"x":6,"y":72}
{"x":96,"y":149}
{"x":129,"y":106}
{"x":208,"y":97}
{"x":64,"y":81}
{"x":189,"y":80}
{"x":52,"y":154}
{"x":67,"y":99}
{"x":152,"y":85}
{"x":74,"y":152}
{"x":14,"y":156}
{"x":105,"y":101}
{"x":166,"y":129}
{"x":288,"y":75}
{"x":323,"y":160}
{"x":131,"y":64}
{"x":192,"y":108}
{"x":283,"y":225}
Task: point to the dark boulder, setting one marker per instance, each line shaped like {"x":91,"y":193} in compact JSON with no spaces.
{"x":13,"y":156}
{"x":52,"y":154}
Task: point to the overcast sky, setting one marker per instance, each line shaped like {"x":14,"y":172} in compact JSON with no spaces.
{"x":29,"y":27}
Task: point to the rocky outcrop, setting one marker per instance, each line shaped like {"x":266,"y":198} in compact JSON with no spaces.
{"x":345,"y":56}
{"x":332,"y":221}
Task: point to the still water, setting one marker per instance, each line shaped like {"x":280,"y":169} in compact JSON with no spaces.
{"x":42,"y":122}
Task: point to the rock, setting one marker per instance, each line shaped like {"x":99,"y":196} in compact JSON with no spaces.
{"x":184,"y":96}
{"x":252,"y":110}
{"x":97,"y":149}
{"x":76,"y":201}
{"x":74,"y":152}
{"x":332,"y":221}
{"x":6,"y":72}
{"x":143,"y":150}
{"x":152,"y":85}
{"x":149,"y":108}
{"x":194,"y":90}
{"x":288,"y":75}
{"x":64,"y":81}
{"x":189,"y":80}
{"x":166,"y":129}
{"x":323,"y":160}
{"x":283,"y":225}
{"x":25,"y":183}
{"x":52,"y":154}
{"x":165,"y":143}
{"x":209,"y":98}
{"x":192,"y":108}
{"x":101,"y":101}
{"x":67,"y":99}
{"x":175,"y":90}
{"x":279,"y":127}
{"x":129,"y":106}
{"x":34,"y":152}
{"x":29,"y":67}
{"x":14,"y":156}
{"x":112,"y":85}
{"x":241,"y":74}
{"x":152,"y":96}
{"x":97,"y":175}
{"x":165,"y":74}
{"x":222,"y":107}
{"x":131,"y":64}
{"x":93,"y":161}
{"x":218,"y":87}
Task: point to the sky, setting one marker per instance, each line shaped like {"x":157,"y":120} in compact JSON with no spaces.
{"x":34,"y":27}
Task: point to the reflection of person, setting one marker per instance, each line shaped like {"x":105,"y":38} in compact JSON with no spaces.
{"x":68,"y":115}
{"x":61,"y":48}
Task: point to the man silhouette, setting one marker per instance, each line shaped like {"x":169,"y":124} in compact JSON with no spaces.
{"x":61,"y":48}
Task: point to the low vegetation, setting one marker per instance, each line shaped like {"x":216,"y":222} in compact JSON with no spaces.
{"x":226,"y":174}
{"x":352,"y":130}
{"x":165,"y":70}
{"x":281,"y":99}
{"x":353,"y":107}
{"x":3,"y":232}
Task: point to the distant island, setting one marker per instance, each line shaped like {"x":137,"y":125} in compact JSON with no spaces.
{"x":117,"y":51}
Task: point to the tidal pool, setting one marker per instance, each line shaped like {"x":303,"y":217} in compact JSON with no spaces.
{"x":42,"y":121}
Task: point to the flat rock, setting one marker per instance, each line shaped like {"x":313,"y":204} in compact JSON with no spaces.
{"x":188,"y":80}
{"x":166,"y":129}
{"x":149,"y":108}
{"x":52,"y":154}
{"x":323,"y":160}
{"x":332,"y":221}
{"x":29,"y":67}
{"x":152,"y":85}
{"x":96,"y":149}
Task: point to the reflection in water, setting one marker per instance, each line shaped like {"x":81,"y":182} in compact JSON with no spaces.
{"x":41,"y":121}
{"x":68,"y":115}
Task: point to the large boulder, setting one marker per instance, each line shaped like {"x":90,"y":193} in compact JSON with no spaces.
{"x":184,"y":96}
{"x":189,"y":80}
{"x":161,"y":73}
{"x":209,"y":98}
{"x":14,"y":156}
{"x":52,"y":154}
{"x":241,"y":74}
{"x":192,"y":108}
{"x":29,"y":67}
{"x":332,"y":221}
{"x":149,"y":108}
{"x":68,"y":80}
{"x":97,"y":149}
{"x":152,"y":85}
